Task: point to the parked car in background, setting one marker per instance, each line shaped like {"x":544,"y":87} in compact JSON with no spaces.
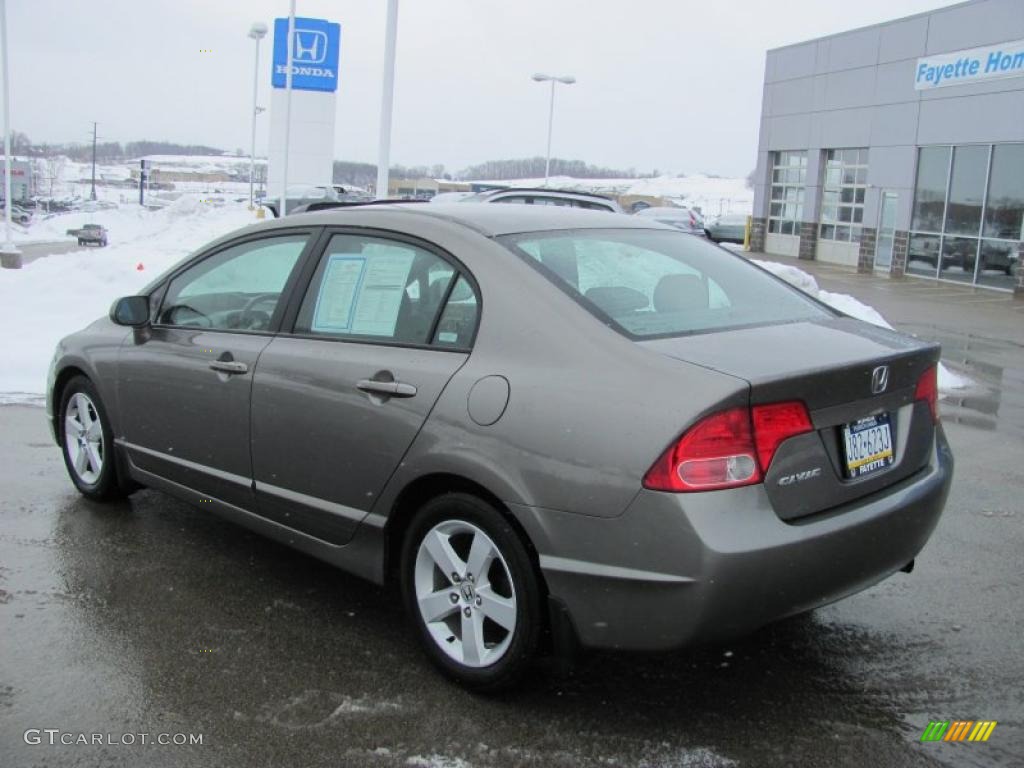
{"x":329,"y":380}
{"x":450,"y":197}
{"x":19,"y":215}
{"x":301,"y":195}
{"x":684,"y":219}
{"x":729,"y":228}
{"x":90,"y":234}
{"x":545,"y":196}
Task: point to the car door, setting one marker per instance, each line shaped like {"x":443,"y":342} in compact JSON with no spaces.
{"x":337,"y":402}
{"x":184,"y":382}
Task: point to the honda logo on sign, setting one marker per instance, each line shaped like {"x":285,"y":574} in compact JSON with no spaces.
{"x":879,"y":379}
{"x":310,"y":47}
{"x":316,"y":47}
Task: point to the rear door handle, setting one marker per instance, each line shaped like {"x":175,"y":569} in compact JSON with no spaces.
{"x":386,"y":388}
{"x":229,"y":366}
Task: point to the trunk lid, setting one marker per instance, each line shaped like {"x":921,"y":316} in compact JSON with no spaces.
{"x":829,"y":365}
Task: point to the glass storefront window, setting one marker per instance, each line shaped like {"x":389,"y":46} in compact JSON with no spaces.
{"x":968,"y":220}
{"x":958,"y":257}
{"x":786,"y":204}
{"x":1004,"y":215}
{"x":842,"y":198}
{"x":930,"y":193}
{"x":966,"y":190}
{"x":923,"y":254}
{"x":999,"y":260}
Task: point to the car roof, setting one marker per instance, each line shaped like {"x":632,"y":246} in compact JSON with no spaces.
{"x":664,"y":210}
{"x":534,"y":191}
{"x":488,"y":220}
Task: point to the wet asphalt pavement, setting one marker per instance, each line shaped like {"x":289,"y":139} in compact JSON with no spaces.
{"x":154,"y":617}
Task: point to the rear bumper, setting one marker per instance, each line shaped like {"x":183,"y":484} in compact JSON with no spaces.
{"x":675,"y":569}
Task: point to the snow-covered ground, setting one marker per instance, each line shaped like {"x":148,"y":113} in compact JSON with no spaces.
{"x":57,"y":295}
{"x":949,"y":380}
{"x":712,"y":194}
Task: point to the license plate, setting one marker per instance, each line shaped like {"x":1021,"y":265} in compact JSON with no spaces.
{"x":868,"y":445}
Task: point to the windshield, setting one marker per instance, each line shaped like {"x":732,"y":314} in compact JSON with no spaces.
{"x":652,"y":283}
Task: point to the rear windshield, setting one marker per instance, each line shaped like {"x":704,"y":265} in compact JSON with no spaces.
{"x":649,"y":283}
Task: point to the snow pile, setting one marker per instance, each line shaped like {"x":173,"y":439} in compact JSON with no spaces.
{"x":57,"y":295}
{"x":948,"y":379}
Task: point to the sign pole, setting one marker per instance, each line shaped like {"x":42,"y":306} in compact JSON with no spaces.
{"x":10,"y":256}
{"x":290,"y":46}
{"x":386,"y":100}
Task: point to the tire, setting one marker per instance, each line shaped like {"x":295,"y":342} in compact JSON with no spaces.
{"x":457,"y":524}
{"x":81,"y":241}
{"x":92,"y":444}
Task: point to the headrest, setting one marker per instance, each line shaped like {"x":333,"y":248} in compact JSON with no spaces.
{"x":616,"y":300}
{"x":675,"y":293}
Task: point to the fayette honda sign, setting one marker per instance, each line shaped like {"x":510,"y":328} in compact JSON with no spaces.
{"x":314,"y":54}
{"x":972,"y":66}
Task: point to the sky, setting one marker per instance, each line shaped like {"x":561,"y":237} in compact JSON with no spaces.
{"x":671,"y":85}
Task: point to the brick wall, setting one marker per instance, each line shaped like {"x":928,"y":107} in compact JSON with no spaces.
{"x":866,"y":254}
{"x":808,"y":240}
{"x":900,"y":242}
{"x":758,"y":228}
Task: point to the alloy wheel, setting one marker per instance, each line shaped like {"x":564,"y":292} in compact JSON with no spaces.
{"x":465,"y":594}
{"x":83,"y":438}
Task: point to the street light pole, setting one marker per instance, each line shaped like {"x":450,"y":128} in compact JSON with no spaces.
{"x":257,"y":32}
{"x":10,"y":256}
{"x":92,"y":195}
{"x":289,"y":60}
{"x":387,"y":98}
{"x":540,"y":77}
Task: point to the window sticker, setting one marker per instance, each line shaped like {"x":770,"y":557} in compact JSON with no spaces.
{"x":379,"y":295}
{"x":336,"y":305}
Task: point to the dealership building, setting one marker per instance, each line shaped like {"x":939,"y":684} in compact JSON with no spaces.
{"x":899,"y":148}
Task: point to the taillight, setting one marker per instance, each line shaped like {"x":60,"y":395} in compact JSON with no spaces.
{"x":728,"y":449}
{"x":777,"y":422}
{"x":717,"y":452}
{"x":928,"y":390}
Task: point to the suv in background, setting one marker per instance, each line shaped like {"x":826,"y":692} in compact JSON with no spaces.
{"x":682,"y":218}
{"x":545,"y":196}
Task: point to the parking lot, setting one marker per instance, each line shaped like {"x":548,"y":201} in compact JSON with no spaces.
{"x":154,"y":617}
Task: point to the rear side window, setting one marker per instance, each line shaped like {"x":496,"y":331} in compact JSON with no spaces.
{"x":384,"y":290}
{"x":652,"y":283}
{"x":458,"y":320}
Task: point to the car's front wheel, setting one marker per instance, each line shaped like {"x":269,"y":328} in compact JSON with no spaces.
{"x":87,"y":441}
{"x":471,"y":589}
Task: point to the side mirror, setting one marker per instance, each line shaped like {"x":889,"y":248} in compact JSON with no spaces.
{"x":131,"y":310}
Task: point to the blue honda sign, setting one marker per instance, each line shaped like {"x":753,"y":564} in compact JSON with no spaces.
{"x":315,"y":54}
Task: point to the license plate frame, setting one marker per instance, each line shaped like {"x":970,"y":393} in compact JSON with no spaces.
{"x":870,"y":441}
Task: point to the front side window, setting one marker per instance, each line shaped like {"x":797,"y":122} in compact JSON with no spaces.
{"x":237,"y":289}
{"x":375,"y":289}
{"x":842,"y":198}
{"x":788,"y":182}
{"x":651,"y":283}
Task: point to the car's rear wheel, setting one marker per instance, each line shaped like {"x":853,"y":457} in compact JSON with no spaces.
{"x":87,"y":441}
{"x":470,"y":587}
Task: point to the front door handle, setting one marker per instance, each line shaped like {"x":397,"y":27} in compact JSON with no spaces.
{"x":229,"y":366}
{"x":386,"y":388}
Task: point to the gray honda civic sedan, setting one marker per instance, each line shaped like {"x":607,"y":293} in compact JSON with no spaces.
{"x":550,"y":427}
